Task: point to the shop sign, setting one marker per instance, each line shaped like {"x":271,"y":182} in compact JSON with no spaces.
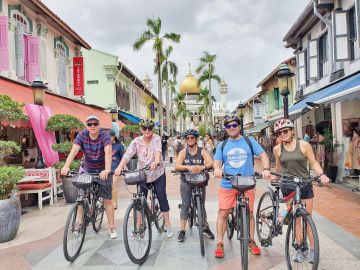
{"x":258,"y":112}
{"x":78,"y":75}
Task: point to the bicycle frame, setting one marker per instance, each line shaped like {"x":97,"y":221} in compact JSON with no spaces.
{"x":140,"y":196}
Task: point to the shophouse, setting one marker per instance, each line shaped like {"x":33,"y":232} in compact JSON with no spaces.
{"x":325,"y":40}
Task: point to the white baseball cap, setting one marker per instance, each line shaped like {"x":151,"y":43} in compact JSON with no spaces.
{"x":92,"y":117}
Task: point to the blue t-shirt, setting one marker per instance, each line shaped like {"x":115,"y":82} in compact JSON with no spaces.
{"x":237,"y":158}
{"x":117,"y":152}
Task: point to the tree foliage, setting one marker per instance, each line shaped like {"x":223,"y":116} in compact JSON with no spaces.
{"x":202,"y":130}
{"x":10,"y":109}
{"x":9,"y":177}
{"x":8,"y":148}
{"x":64,"y":122}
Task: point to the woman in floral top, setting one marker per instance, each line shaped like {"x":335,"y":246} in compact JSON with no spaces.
{"x":148,"y":150}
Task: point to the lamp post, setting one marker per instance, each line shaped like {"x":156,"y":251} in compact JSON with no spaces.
{"x":240,"y":109}
{"x":284,"y":81}
{"x":113,"y":113}
{"x":39,"y":87}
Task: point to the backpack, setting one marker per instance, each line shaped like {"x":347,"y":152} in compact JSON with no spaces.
{"x":247,"y":141}
{"x":179,"y":146}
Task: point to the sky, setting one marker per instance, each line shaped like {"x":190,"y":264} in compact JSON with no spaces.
{"x":246,"y":35}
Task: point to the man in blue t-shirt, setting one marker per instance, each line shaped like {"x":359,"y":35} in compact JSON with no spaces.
{"x":96,"y":145}
{"x":237,"y":157}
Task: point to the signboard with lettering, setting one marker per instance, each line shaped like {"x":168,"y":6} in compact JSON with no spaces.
{"x":258,"y":112}
{"x":78,"y":72}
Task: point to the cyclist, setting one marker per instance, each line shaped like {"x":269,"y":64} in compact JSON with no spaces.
{"x":237,"y":156}
{"x":96,"y":146}
{"x":148,"y":150}
{"x":194,"y":159}
{"x":292,"y":157}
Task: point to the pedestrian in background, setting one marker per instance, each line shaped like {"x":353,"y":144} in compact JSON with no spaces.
{"x":200,"y":142}
{"x":171,"y":150}
{"x":118,"y":150}
{"x":209,"y":144}
{"x":163,"y":146}
{"x":178,"y":146}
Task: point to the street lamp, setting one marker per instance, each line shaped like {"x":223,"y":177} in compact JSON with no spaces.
{"x":284,"y":81}
{"x":39,"y":87}
{"x":240,"y":109}
{"x":113,"y":113}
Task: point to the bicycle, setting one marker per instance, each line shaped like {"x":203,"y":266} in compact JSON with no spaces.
{"x":269,"y":226}
{"x":88,"y":208}
{"x":139,"y":217}
{"x":197,"y":206}
{"x":240,"y":220}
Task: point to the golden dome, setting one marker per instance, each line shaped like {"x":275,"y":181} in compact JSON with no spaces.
{"x":190,"y":85}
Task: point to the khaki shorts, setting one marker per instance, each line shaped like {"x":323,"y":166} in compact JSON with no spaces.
{"x":227,"y":198}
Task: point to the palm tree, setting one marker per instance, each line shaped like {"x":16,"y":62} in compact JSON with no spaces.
{"x":204,"y":97}
{"x":207,"y":68}
{"x":181,"y":108}
{"x":172,"y":88}
{"x":153,"y":34}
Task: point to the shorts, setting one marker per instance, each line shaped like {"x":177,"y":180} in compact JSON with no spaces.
{"x":307,"y":191}
{"x":104,"y":188}
{"x":227,"y":198}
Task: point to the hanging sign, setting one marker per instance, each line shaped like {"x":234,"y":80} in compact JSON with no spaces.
{"x":78,"y":72}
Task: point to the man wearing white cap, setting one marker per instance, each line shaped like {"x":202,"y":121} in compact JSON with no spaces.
{"x":96,"y":145}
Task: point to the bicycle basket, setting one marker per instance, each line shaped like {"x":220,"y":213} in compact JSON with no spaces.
{"x":197,"y":178}
{"x":82,"y":180}
{"x":135,"y":178}
{"x":242,"y":182}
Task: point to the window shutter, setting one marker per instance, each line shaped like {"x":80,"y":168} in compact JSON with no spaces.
{"x":19,"y":51}
{"x":301,"y":68}
{"x":313,"y":45}
{"x":33,"y":66}
{"x":342,"y":36}
{"x":4,"y":57}
{"x":62,"y":75}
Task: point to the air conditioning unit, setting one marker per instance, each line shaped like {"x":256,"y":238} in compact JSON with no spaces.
{"x":299,"y":95}
{"x":326,"y":4}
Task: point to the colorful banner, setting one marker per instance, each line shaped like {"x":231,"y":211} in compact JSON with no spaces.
{"x":78,"y":75}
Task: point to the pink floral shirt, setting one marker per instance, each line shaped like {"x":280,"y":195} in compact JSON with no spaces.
{"x":146,"y":155}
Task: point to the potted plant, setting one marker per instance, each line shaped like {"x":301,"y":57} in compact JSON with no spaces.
{"x":10,"y":206}
{"x":65,"y":124}
{"x":331,"y":168}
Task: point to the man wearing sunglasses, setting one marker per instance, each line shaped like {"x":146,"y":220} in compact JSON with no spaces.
{"x":97,"y":148}
{"x":148,"y":149}
{"x":194,"y":159}
{"x":292,"y":157}
{"x":237,"y":157}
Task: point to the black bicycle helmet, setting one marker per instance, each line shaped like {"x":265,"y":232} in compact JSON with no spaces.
{"x":191,"y":132}
{"x":231,"y":117}
{"x":146,"y":123}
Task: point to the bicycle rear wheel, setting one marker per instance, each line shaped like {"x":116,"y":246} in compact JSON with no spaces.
{"x":137,"y":233}
{"x":200,"y":224}
{"x":244,"y":237}
{"x":265,"y":219}
{"x":230,"y":225}
{"x":191,"y":214}
{"x":159,"y":218}
{"x":98,"y":214}
{"x":297,"y":244}
{"x":74,"y":232}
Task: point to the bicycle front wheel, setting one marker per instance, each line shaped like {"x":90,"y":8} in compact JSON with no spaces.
{"x":244,"y":237}
{"x":99,"y":208}
{"x":265,"y":219}
{"x":159,"y":218}
{"x":137,"y":233}
{"x":200,"y":215}
{"x":302,"y":249}
{"x":74,"y":232}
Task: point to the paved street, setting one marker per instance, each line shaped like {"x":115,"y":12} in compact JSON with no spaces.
{"x":38,"y":244}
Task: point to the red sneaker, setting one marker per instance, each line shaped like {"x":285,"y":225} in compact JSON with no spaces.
{"x":219,"y":252}
{"x":253,"y":248}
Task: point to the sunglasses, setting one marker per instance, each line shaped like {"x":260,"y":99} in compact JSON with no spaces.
{"x":231,"y":126}
{"x":92,"y":124}
{"x":284,"y":131}
{"x":189,"y":137}
{"x":147,"y":128}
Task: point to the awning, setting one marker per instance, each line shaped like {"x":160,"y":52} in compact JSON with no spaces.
{"x":58,"y":104}
{"x":258,"y":128}
{"x":126,"y":117}
{"x":345,"y":90}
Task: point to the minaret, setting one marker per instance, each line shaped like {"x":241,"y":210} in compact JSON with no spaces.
{"x":223,"y":95}
{"x":147,"y":82}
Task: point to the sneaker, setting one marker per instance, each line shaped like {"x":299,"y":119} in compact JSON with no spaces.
{"x":253,"y":248}
{"x":113,"y":233}
{"x":219,"y":252}
{"x":169,"y":232}
{"x":208,"y":233}
{"x":311,"y":256}
{"x":181,"y":236}
{"x":299,"y":256}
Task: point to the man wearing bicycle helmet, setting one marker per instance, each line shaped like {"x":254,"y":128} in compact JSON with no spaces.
{"x":193,"y":159}
{"x":292,"y":157}
{"x":148,"y":149}
{"x":236,"y":153}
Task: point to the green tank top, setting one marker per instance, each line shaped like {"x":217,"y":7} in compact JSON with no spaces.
{"x":294,"y":162}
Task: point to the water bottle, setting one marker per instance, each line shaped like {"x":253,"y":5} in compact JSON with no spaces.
{"x":282,"y":215}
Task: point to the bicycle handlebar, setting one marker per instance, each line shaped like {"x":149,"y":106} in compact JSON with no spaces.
{"x":185,"y":171}
{"x":74,"y":173}
{"x":142,"y":169}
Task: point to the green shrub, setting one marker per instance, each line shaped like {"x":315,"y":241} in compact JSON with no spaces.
{"x":64,"y":122}
{"x":131,"y":128}
{"x":9,"y":177}
{"x":62,"y":147}
{"x":8,"y":148}
{"x":202,"y":130}
{"x":10,"y":109}
{"x":75,"y":165}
